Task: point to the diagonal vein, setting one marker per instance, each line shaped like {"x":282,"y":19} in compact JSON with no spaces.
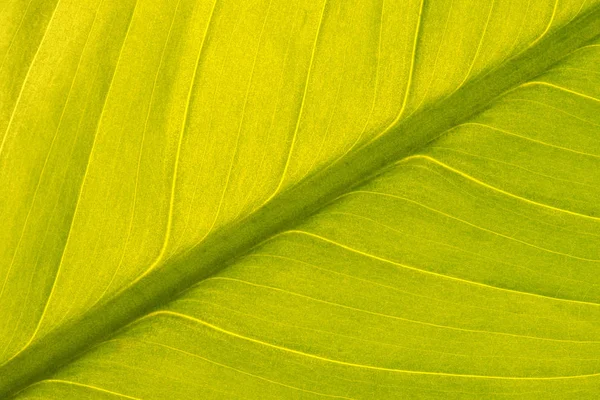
{"x":436,"y":274}
{"x":288,"y":207}
{"x":42,"y":172}
{"x":237,"y":370}
{"x":494,"y":188}
{"x":356,"y":365}
{"x":365,"y":311}
{"x":35,"y":56}
{"x":302,"y":103}
{"x":79,"y":196}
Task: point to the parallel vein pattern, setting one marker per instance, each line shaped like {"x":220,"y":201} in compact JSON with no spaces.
{"x":300,"y":199}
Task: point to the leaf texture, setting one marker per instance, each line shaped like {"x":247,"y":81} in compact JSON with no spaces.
{"x":299,"y":199}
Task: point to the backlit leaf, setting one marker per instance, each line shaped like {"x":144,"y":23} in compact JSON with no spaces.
{"x":300,"y":199}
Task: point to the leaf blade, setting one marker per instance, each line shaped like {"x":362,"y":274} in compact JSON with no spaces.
{"x":378,"y":155}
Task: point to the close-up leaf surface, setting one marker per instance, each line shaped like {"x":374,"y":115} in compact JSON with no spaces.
{"x":300,"y":199}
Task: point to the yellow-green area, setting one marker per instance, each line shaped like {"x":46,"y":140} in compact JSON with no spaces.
{"x":298,"y":199}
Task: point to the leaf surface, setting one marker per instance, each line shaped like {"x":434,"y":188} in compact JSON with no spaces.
{"x":299,"y":199}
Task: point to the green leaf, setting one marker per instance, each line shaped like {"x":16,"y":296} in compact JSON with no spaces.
{"x":299,"y":199}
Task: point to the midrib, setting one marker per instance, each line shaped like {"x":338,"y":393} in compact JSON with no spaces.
{"x":290,"y":206}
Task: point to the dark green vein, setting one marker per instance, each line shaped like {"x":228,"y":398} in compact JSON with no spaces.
{"x":288,"y":207}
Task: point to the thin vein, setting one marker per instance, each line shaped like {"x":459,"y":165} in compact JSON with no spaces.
{"x":587,"y":46}
{"x":47,"y":158}
{"x":3,"y":9}
{"x":203,"y":158}
{"x":477,"y":51}
{"x":520,"y":31}
{"x":93,"y":255}
{"x":588,"y":71}
{"x":413,"y":62}
{"x":571,"y":54}
{"x":303,"y":102}
{"x":377,"y":77}
{"x":237,"y":370}
{"x":23,"y":303}
{"x":408,"y":84}
{"x":516,"y":166}
{"x":530,"y":171}
{"x":504,"y":131}
{"x":73,"y":149}
{"x":37,"y":52}
{"x":474,"y":225}
{"x":171,"y":378}
{"x":320,"y":331}
{"x":362,"y":310}
{"x":240,"y":125}
{"x":139,"y":161}
{"x":578,"y":11}
{"x":12,"y":41}
{"x":96,"y":388}
{"x":508,"y":100}
{"x":477,"y":255}
{"x":418,"y":295}
{"x":488,"y":186}
{"x":564,"y":89}
{"x":547,"y":26}
{"x":329,"y":122}
{"x":464,"y":281}
{"x":169,"y":224}
{"x":435,"y":61}
{"x":259,"y":168}
{"x":45,"y":164}
{"x":79,"y":196}
{"x":463,"y":355}
{"x":362,"y":366}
